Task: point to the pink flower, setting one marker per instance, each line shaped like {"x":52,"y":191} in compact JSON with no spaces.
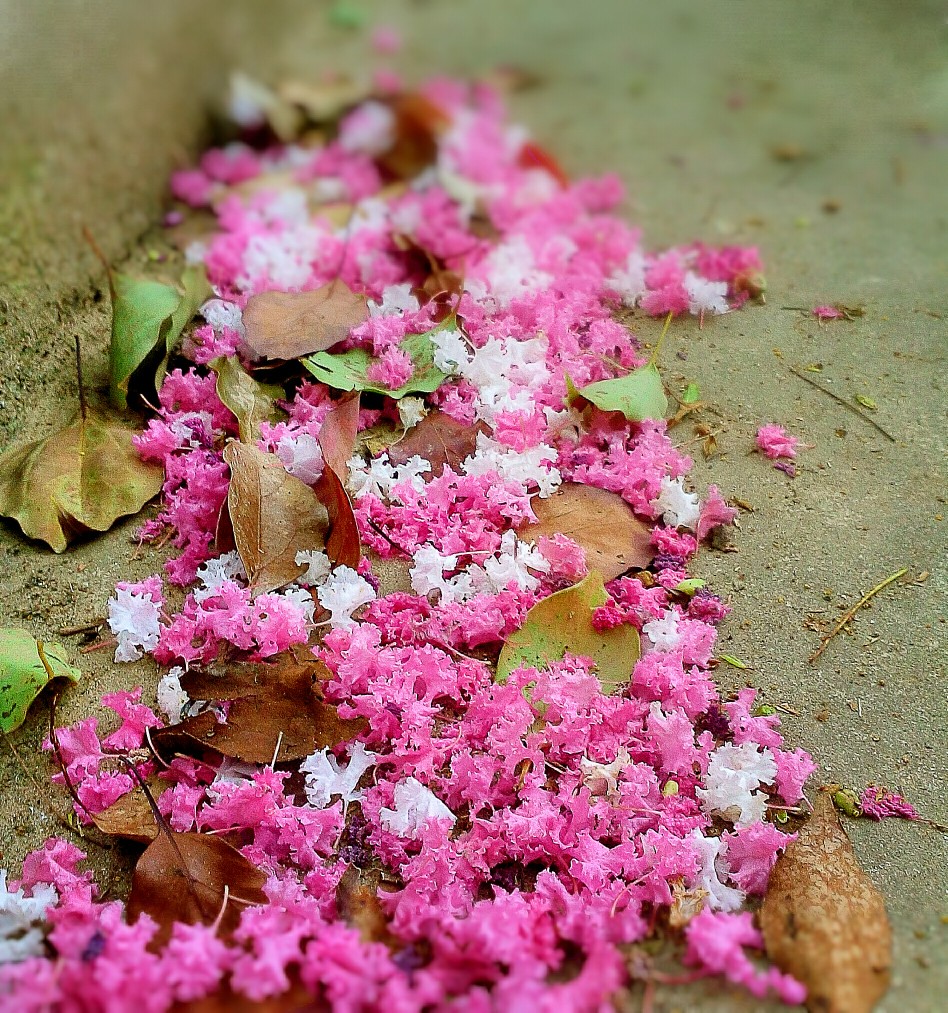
{"x":878,"y":803}
{"x":775,"y":441}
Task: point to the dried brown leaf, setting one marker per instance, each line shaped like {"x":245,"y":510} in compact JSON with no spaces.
{"x":343,"y":544}
{"x":131,"y":815}
{"x":325,"y":101}
{"x":357,"y":902}
{"x":182,"y":878}
{"x":440,"y":439}
{"x":297,"y":999}
{"x":600,"y":522}
{"x":286,"y":325}
{"x":274,"y":515}
{"x":271,"y":702}
{"x":824,"y":921}
{"x":338,"y":434}
{"x":418,"y":122}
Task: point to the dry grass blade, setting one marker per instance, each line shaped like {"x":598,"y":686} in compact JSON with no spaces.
{"x":823,"y":920}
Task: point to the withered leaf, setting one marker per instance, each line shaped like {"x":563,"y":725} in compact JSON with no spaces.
{"x":357,"y":902}
{"x":274,"y":515}
{"x":440,"y":439}
{"x":343,"y":544}
{"x":286,"y":325}
{"x":131,"y":815}
{"x":182,"y":878}
{"x":250,"y":401}
{"x":325,"y":101}
{"x":600,"y":522}
{"x":824,"y":921}
{"x":271,"y":702}
{"x":80,"y":479}
{"x":338,"y":433}
{"x":418,"y":122}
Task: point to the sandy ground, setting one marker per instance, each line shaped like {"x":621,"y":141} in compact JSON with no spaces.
{"x":817,"y":131}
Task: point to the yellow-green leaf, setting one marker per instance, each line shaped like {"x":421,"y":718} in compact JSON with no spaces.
{"x":23,"y":674}
{"x":563,"y":622}
{"x":80,"y":479}
{"x":638,"y":395}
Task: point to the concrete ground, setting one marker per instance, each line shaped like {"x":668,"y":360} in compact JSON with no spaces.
{"x":817,"y":131}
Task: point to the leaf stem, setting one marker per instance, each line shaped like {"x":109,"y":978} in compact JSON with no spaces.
{"x":83,"y":408}
{"x":661,"y":338}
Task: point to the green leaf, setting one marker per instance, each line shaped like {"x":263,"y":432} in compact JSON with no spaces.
{"x":81,"y":478}
{"x":690,"y":585}
{"x":347,"y":370}
{"x":691,"y":394}
{"x":866,"y":402}
{"x":23,"y":674}
{"x":729,"y":659}
{"x":147,"y":319}
{"x":563,"y":622}
{"x":250,"y":401}
{"x":346,"y":15}
{"x":638,"y":395}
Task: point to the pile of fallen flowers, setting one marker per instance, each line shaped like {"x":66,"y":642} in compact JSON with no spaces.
{"x":474,"y":784}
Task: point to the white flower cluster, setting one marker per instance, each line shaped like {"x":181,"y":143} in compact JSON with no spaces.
{"x":370,"y":131}
{"x":735,"y":773}
{"x":415,"y":805}
{"x":215,"y":572}
{"x":220,"y":313}
{"x":511,"y":272}
{"x":527,"y":468}
{"x":628,"y":282}
{"x":678,"y":508}
{"x":133,"y":620}
{"x":172,"y":699}
{"x":705,"y":296}
{"x":379,"y":477}
{"x":21,"y":918}
{"x":663,"y":633}
{"x":511,"y":564}
{"x":341,"y":593}
{"x":284,"y":257}
{"x":325,"y":778}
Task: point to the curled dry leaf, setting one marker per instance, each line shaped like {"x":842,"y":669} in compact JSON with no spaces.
{"x":357,"y":901}
{"x":80,"y":479}
{"x":131,"y":816}
{"x":250,"y":401}
{"x":182,"y":878}
{"x":600,"y":522}
{"x":824,"y":921}
{"x":270,"y":703}
{"x":418,"y":122}
{"x":274,"y":515}
{"x":563,"y":622}
{"x":343,"y":544}
{"x":440,"y":439}
{"x":286,"y":325}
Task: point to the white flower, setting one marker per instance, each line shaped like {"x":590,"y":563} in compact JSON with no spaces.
{"x":527,"y":468}
{"x":133,"y":619}
{"x":172,"y":699}
{"x":450,"y":350}
{"x":705,"y":296}
{"x":248,"y":101}
{"x":230,"y":772}
{"x":318,"y":566}
{"x":195,"y":252}
{"x":629,"y":281}
{"x":188,"y":428}
{"x":21,"y":918}
{"x":513,"y":562}
{"x":415,"y":805}
{"x":427,"y":572}
{"x":374,"y":478}
{"x":720,"y":896}
{"x":395,"y":299}
{"x":370,"y":130}
{"x":220,"y":313}
{"x":343,"y":592}
{"x":213,"y":573}
{"x":301,"y":456}
{"x":663,"y":632}
{"x":326,"y":778}
{"x":512,"y":271}
{"x":603,"y":778}
{"x":677,"y":507}
{"x":730,"y":785}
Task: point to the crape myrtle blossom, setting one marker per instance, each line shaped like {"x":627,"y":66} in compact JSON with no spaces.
{"x":513,"y":822}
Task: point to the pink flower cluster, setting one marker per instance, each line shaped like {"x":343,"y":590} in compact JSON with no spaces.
{"x":530,"y":829}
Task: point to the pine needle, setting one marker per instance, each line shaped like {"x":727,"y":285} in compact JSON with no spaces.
{"x":850,"y":612}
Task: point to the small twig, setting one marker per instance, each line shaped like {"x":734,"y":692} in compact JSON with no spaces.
{"x":842,"y":401}
{"x":83,"y":407}
{"x":276,"y":752}
{"x":850,"y":612}
{"x":99,"y":645}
